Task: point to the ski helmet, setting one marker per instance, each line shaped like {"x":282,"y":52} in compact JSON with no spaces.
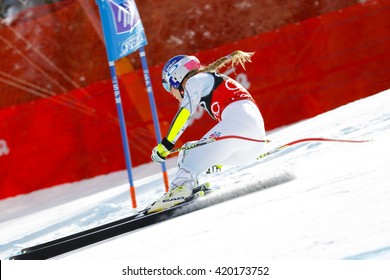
{"x":176,"y":69}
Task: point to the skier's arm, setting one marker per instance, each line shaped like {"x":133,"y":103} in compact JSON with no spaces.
{"x":191,"y":99}
{"x":201,"y":83}
{"x":178,"y":125}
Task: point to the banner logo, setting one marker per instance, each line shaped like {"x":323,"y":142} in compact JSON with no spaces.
{"x":125,"y":16}
{"x":122,"y":27}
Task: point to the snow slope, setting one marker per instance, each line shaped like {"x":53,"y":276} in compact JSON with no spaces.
{"x":337,"y":207}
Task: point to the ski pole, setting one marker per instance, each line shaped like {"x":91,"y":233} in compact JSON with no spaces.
{"x":197,"y":144}
{"x":308,"y":140}
{"x":211,"y":140}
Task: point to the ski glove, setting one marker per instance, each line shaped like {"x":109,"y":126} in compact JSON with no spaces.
{"x":161,"y":151}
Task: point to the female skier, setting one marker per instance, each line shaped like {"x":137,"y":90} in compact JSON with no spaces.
{"x":226,"y":101}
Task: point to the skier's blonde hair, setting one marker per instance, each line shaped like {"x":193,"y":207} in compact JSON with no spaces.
{"x":235,"y":58}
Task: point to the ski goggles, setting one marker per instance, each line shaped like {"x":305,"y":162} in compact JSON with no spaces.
{"x":166,"y":85}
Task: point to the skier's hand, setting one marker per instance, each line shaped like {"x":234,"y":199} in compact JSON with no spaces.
{"x":161,"y":151}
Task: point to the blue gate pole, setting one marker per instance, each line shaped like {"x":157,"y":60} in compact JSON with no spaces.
{"x":122,"y":125}
{"x":152,"y":102}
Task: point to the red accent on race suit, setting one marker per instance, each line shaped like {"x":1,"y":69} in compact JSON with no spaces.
{"x":226,"y":93}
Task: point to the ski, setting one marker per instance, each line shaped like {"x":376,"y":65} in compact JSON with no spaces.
{"x":141,"y":220}
{"x":76,"y":235}
{"x":62,"y":245}
{"x":85,"y":239}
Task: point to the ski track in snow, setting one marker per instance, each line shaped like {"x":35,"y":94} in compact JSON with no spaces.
{"x":333,"y":203}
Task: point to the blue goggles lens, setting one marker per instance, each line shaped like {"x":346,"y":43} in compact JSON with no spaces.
{"x":166,"y":86}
